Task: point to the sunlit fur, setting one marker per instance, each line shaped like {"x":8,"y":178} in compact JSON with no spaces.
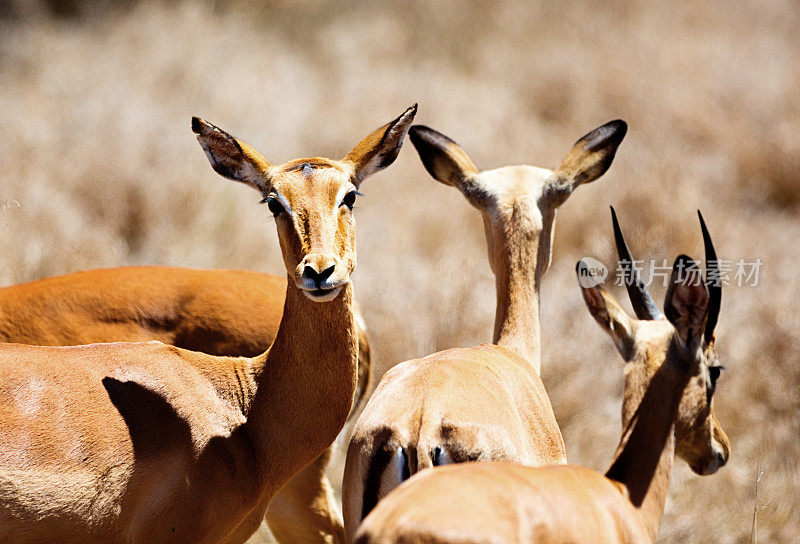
{"x":488,"y":402}
{"x":313,"y":193}
{"x":145,"y":442}
{"x":667,"y":388}
{"x":219,"y":312}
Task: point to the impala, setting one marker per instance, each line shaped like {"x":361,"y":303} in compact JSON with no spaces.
{"x":145,"y":442}
{"x":220,"y":312}
{"x":671,"y":371}
{"x":488,"y":402}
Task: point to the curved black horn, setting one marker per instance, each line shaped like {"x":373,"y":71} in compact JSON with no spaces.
{"x":713,"y":281}
{"x":643,"y":304}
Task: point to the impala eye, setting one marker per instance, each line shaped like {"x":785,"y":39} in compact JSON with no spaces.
{"x":274,"y":206}
{"x":350,"y":199}
{"x":714,"y":373}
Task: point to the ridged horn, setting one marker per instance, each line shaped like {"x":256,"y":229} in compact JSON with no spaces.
{"x":643,"y":304}
{"x":713,"y":281}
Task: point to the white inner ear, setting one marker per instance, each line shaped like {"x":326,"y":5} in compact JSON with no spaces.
{"x":252,"y":176}
{"x":372,"y":166}
{"x":619,"y":330}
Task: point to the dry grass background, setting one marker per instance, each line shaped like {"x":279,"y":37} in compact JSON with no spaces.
{"x":98,"y":167}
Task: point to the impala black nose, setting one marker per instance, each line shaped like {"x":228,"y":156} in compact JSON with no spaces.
{"x":310,"y":273}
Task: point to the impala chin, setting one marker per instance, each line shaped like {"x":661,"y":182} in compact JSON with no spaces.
{"x":709,"y":467}
{"x":322,"y":294}
{"x":321,"y":276}
{"x":705,"y":469}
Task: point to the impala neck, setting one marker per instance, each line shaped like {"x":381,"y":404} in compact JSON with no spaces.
{"x":644,"y":457}
{"x":304,"y":384}
{"x":520,"y":254}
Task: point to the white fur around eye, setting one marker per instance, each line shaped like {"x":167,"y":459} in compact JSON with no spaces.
{"x":284,"y":202}
{"x":343,"y":190}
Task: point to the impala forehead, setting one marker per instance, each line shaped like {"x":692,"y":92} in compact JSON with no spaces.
{"x":311,"y":185}
{"x":515,"y":187}
{"x":520,"y":181}
{"x":652,"y":338}
{"x":654,"y":332}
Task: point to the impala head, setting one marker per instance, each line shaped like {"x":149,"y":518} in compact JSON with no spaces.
{"x":682,"y":336}
{"x":503,"y":193}
{"x":311,"y":199}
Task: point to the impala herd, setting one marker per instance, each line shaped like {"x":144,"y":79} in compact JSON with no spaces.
{"x":154,"y":404}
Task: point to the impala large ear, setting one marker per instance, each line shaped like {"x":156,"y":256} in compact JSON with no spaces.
{"x":444,"y":160}
{"x":232,"y":158}
{"x":686,"y":301}
{"x":605,"y":310}
{"x":380,"y":149}
{"x":589,"y":158}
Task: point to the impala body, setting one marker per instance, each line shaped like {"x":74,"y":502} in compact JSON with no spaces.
{"x":145,"y":442}
{"x":219,"y":312}
{"x":484,"y":403}
{"x":670,"y":378}
{"x":201,"y":310}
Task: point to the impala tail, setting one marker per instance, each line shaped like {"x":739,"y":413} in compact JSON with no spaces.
{"x":389,"y":465}
{"x":387,"y":469}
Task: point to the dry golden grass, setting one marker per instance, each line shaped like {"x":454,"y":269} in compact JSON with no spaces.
{"x":99,"y":168}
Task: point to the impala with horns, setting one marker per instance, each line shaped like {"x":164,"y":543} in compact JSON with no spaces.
{"x":220,"y":312}
{"x":671,"y":371}
{"x":488,"y":402}
{"x":145,"y":442}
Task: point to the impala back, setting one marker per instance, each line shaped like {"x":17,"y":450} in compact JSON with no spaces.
{"x":476,"y":404}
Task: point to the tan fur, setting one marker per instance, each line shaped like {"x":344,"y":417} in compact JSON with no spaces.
{"x":144,"y":442}
{"x":488,"y":402}
{"x":666,"y":399}
{"x":501,"y":503}
{"x":219,"y":312}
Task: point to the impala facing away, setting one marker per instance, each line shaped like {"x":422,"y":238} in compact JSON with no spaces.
{"x":488,"y":402}
{"x":145,"y":442}
{"x":219,"y":312}
{"x":671,"y":371}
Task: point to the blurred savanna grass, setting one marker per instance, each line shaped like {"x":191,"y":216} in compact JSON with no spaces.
{"x":98,"y":167}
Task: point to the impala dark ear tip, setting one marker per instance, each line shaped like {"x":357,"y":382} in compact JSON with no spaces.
{"x":201,"y":126}
{"x":617,"y":129}
{"x":415,"y":134}
{"x":619,"y":125}
{"x":421,"y":134}
{"x":607,"y":136}
{"x":197,"y":125}
{"x":416,"y":130}
{"x":411,"y":111}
